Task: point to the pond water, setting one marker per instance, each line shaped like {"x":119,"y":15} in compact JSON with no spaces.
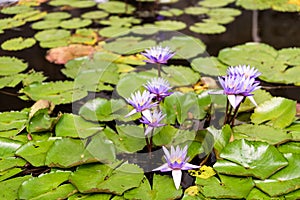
{"x":277,"y":29}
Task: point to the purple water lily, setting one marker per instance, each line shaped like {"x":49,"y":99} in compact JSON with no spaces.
{"x":153,"y":120}
{"x":158,"y":54}
{"x":243,"y":70}
{"x":141,"y":102}
{"x":158,"y":86}
{"x":176,"y":161}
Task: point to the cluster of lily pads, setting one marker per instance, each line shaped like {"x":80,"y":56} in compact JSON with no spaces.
{"x":101,"y":150}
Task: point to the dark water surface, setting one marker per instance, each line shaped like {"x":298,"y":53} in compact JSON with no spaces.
{"x":277,"y":29}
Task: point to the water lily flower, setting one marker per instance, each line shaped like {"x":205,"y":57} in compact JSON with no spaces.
{"x":141,"y":102}
{"x":176,"y":161}
{"x":243,"y":70}
{"x":158,"y":55}
{"x":153,"y":120}
{"x":238,"y":87}
{"x":158,"y":86}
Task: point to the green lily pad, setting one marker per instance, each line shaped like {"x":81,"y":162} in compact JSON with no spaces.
{"x":261,"y":133}
{"x":11,"y":80}
{"x":100,"y":109}
{"x":114,"y":31}
{"x":116,"y":7}
{"x":31,"y":15}
{"x":55,"y":43}
{"x":52,"y":35}
{"x":103,"y":178}
{"x":98,"y":14}
{"x":128,"y":45}
{"x":170,"y":25}
{"x":81,"y":4}
{"x":171,"y":12}
{"x":67,"y":152}
{"x":46,"y":24}
{"x":226,"y":187}
{"x":80,"y":196}
{"x":145,"y":29}
{"x":291,"y":171}
{"x":290,"y":147}
{"x":35,"y":151}
{"x":254,"y":5}
{"x":9,"y":188}
{"x":185,"y":47}
{"x":267,"y":159}
{"x":14,"y":120}
{"x":163,"y":188}
{"x":215,"y":3}
{"x":40,"y":121}
{"x":8,"y":147}
{"x":8,"y":23}
{"x":209,"y":65}
{"x":75,"y":23}
{"x":46,"y":183}
{"x":56,"y":92}
{"x":195,"y":10}
{"x":17,"y":9}
{"x":129,"y":139}
{"x":57,"y":16}
{"x":275,"y":188}
{"x":70,"y":125}
{"x":277,"y":112}
{"x":221,"y":137}
{"x":207,"y":28}
{"x":120,"y":21}
{"x":11,"y":65}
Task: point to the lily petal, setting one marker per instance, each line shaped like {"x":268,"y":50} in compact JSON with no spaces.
{"x":235,"y":100}
{"x":131,"y":113}
{"x":176,"y":174}
{"x":252,"y":100}
{"x":164,"y":168}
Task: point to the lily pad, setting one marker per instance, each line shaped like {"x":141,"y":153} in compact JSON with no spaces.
{"x":196,"y":10}
{"x":46,"y":183}
{"x":277,"y":112}
{"x":52,"y":35}
{"x":70,"y":125}
{"x":10,"y":187}
{"x":98,"y":14}
{"x":46,"y":24}
{"x":170,"y":25}
{"x":226,"y":187}
{"x":13,"y":121}
{"x":114,"y":31}
{"x":185,"y":47}
{"x":242,"y":151}
{"x":209,"y":65}
{"x":120,"y":21}
{"x":109,"y":179}
{"x":56,"y":92}
{"x":207,"y":28}
{"x":8,"y":23}
{"x":171,"y":12}
{"x":16,"y":9}
{"x":145,"y":29}
{"x":215,"y":3}
{"x":57,"y":16}
{"x":75,"y":23}
{"x":82,"y":4}
{"x":11,"y":65}
{"x":116,"y":7}
{"x":261,"y":133}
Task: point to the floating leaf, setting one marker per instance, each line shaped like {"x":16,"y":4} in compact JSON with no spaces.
{"x":195,"y":10}
{"x":11,"y":65}
{"x":46,"y":24}
{"x":275,"y":188}
{"x":56,"y":92}
{"x":40,"y":121}
{"x":204,"y":172}
{"x":46,"y":183}
{"x":215,"y":3}
{"x":9,"y":188}
{"x":105,"y":178}
{"x":128,"y":45}
{"x":35,"y":151}
{"x":209,"y":65}
{"x":75,"y":23}
{"x":98,"y":14}
{"x":116,"y":7}
{"x":262,"y":133}
{"x":120,"y":21}
{"x":242,"y":151}
{"x":226,"y":187}
{"x":82,"y":4}
{"x":185,"y":47}
{"x":57,"y":16}
{"x":163,"y":188}
{"x":8,"y":23}
{"x":52,"y":35}
{"x":70,"y":125}
{"x":145,"y":29}
{"x":207,"y":28}
{"x":114,"y":31}
{"x":221,"y":137}
{"x":290,"y":147}
{"x":30,"y":16}
{"x":171,"y":12}
{"x":17,"y":9}
{"x":13,"y":121}
{"x":278,"y":112}
{"x":170,"y":25}
{"x":8,"y":147}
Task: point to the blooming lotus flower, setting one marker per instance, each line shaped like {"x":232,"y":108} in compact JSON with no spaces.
{"x":238,"y":87}
{"x":152,"y":120}
{"x":176,"y":161}
{"x":160,"y":87}
{"x":158,"y":54}
{"x":243,"y":70}
{"x":141,"y":102}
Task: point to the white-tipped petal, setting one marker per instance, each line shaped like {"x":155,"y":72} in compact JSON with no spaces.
{"x":252,"y":100}
{"x":148,"y":130}
{"x":176,"y":174}
{"x":235,"y":100}
{"x":164,"y":168}
{"x":166,"y":152}
{"x":147,"y":114}
{"x":131,"y":113}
